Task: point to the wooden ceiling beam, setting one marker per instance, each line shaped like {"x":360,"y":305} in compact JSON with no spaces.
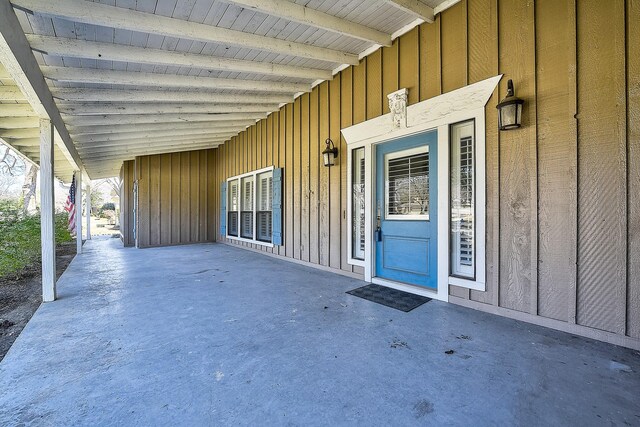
{"x":92,"y":109}
{"x":19,"y":122}
{"x":20,"y":133}
{"x":92,"y":140}
{"x":128,"y":95}
{"x":16,"y":110}
{"x":132,"y":20}
{"x":73,"y":48}
{"x":314,"y":18}
{"x":133,"y":78}
{"x":117,"y":119}
{"x":11,"y":93}
{"x":107,"y":130}
{"x":129,"y":152}
{"x":415,"y":8}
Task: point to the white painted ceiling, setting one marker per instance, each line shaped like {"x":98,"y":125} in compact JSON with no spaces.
{"x":128,"y":86}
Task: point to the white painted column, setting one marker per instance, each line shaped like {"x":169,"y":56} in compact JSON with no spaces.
{"x":78,"y":217}
{"x":87,"y":209}
{"x":47,"y":206}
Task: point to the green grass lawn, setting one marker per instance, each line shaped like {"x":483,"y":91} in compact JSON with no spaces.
{"x":20,"y":238}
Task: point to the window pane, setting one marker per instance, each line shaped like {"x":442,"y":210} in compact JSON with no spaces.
{"x":263,"y":214}
{"x":357,"y":208}
{"x":462,"y":200}
{"x":232,"y":226}
{"x":246,"y":215}
{"x":407,"y":185}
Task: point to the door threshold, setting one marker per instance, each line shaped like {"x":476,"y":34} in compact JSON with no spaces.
{"x":405,"y":287}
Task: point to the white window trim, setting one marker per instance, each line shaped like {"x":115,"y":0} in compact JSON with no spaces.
{"x":438,"y":113}
{"x":254,"y":175}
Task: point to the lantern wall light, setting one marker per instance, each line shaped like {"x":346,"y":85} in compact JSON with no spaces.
{"x":510,"y":110}
{"x":330,"y":153}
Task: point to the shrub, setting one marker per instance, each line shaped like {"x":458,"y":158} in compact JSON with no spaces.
{"x":20,"y":238}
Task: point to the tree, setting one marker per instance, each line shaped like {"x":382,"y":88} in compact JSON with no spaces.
{"x":11,"y":167}
{"x":29,"y":190}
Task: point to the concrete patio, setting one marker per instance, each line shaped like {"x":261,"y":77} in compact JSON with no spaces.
{"x":212,"y":335}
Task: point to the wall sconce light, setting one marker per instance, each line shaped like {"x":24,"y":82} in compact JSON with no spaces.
{"x":510,"y":110}
{"x":330,"y":153}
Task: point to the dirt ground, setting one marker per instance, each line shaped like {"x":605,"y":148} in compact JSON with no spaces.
{"x":21,"y":296}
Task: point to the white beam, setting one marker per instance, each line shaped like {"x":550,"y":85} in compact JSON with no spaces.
{"x":78,"y":217}
{"x":16,"y":110}
{"x":11,"y":93}
{"x":83,"y":140}
{"x":134,"y":78}
{"x":93,"y":109}
{"x":446,"y":4}
{"x":126,"y":19}
{"x":128,"y":95}
{"x":159,"y":118}
{"x":18,"y":60}
{"x":47,"y":209}
{"x":314,"y":18}
{"x":133,"y":152}
{"x":73,"y":48}
{"x":146,"y":127}
{"x":18,"y":122}
{"x":415,"y":8}
{"x":121,"y":146}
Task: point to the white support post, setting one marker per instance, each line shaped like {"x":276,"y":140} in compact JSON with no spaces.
{"x":48,"y":240}
{"x":87,"y":210}
{"x":78,"y":217}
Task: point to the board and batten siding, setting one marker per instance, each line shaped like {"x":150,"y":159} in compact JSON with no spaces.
{"x":563,"y":192}
{"x":176,"y":199}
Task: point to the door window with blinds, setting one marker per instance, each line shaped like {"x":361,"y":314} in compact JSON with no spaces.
{"x":250,"y":206}
{"x":357,"y":204}
{"x":407,"y":184}
{"x":462,"y":202}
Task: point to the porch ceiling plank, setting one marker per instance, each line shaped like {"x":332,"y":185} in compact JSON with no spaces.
{"x":19,"y":123}
{"x":314,"y":18}
{"x":107,"y":130}
{"x":11,"y":93}
{"x":89,"y":141}
{"x":92,"y":109}
{"x":19,"y":133}
{"x":116,"y":119}
{"x":23,"y":142}
{"x":132,"y":78}
{"x":126,"y":19}
{"x":72,"y":48}
{"x":415,"y":8}
{"x":21,"y":65}
{"x":118,"y":95}
{"x":16,"y":110}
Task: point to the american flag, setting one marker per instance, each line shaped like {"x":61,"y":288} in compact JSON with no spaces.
{"x":70,"y":206}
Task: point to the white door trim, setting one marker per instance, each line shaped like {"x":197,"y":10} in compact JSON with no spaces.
{"x":437,"y":113}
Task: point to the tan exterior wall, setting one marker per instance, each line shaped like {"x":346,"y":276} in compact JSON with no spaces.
{"x":127,"y":177}
{"x":176,"y":204}
{"x":563,"y":192}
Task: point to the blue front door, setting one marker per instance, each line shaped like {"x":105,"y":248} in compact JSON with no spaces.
{"x":406,"y":210}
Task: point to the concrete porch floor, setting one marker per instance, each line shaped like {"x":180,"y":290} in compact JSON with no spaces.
{"x":215,"y":335}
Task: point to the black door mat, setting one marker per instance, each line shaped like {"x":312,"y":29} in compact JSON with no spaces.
{"x":403,"y":301}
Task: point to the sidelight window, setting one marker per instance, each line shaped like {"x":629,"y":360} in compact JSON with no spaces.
{"x":232,"y":226}
{"x":263,"y":212}
{"x":357,"y":204}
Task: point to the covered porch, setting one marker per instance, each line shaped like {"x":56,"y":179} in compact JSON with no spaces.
{"x":214,"y":334}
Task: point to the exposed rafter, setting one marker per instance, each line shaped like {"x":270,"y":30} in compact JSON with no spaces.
{"x":116,"y":148}
{"x":124,"y":152}
{"x":304,"y":15}
{"x":126,"y":19}
{"x":16,"y":110}
{"x":21,"y":65}
{"x":132,"y":78}
{"x":118,"y":95}
{"x":92,"y":109}
{"x":19,"y":133}
{"x":19,"y":123}
{"x":415,"y":8}
{"x":83,"y":140}
{"x":72,"y":48}
{"x":119,"y":119}
{"x":11,"y":93}
{"x":146,"y":127}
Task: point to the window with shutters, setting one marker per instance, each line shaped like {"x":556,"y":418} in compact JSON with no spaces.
{"x":357,"y":201}
{"x":246,"y":214}
{"x":232,"y":208}
{"x":263,"y":212}
{"x":462,"y":202}
{"x":407,"y":185}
